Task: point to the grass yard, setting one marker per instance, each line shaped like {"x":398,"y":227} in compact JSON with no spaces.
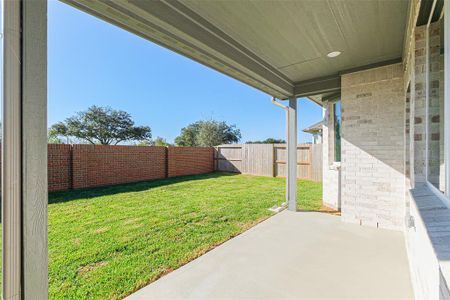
{"x":105,"y":243}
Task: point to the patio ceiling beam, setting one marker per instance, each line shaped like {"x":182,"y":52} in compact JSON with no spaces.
{"x":175,"y":26}
{"x":372,"y":66}
{"x":332,"y":84}
{"x":318,"y":86}
{"x":332,"y":97}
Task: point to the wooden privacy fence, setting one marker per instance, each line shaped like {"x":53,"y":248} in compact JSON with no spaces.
{"x":269,"y":160}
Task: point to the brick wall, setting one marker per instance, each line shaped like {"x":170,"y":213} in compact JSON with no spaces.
{"x":59,"y":167}
{"x":435,"y":109}
{"x":99,"y":165}
{"x":373,"y":163}
{"x":84,"y":166}
{"x":190,"y":160}
{"x":429,"y":272}
{"x":419,"y":105}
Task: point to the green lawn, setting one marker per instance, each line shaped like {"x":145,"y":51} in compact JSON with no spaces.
{"x":105,"y":243}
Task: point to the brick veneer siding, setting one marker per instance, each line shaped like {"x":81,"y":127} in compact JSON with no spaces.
{"x":436,"y":146}
{"x":190,"y":160}
{"x":99,"y":165}
{"x":419,"y":105}
{"x":59,"y":167}
{"x":426,"y":271}
{"x":373,"y":162}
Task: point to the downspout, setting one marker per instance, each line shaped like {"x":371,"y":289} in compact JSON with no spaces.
{"x":290,"y":203}
{"x":274,"y":101}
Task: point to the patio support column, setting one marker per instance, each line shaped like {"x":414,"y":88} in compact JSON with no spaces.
{"x":24,"y":150}
{"x":291,"y":173}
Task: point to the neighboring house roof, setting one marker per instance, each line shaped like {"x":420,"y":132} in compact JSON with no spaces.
{"x":315,"y":128}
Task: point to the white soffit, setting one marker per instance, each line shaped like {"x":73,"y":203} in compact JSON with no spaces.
{"x":272,"y":45}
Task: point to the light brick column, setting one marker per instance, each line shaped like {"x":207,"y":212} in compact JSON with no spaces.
{"x":373,"y":156}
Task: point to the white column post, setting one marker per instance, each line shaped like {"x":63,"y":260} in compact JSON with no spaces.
{"x":291,"y":173}
{"x":24,"y":150}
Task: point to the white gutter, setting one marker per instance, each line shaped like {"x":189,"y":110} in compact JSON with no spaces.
{"x":274,"y":101}
{"x":291,"y":151}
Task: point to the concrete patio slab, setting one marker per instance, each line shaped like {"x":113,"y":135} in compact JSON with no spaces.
{"x":295,"y":256}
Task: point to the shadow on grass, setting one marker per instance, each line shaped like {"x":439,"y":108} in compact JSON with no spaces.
{"x":71,"y":195}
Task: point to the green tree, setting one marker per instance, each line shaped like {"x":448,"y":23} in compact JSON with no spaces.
{"x":54,"y":140}
{"x":101,"y":125}
{"x":144,"y":143}
{"x":268,"y":141}
{"x":159,"y":141}
{"x":208,"y":133}
{"x":188,"y":136}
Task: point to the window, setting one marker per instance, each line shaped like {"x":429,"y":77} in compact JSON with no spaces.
{"x":337,"y":130}
{"x":435,"y":106}
{"x":408,"y":133}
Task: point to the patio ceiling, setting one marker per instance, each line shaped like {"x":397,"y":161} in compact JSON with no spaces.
{"x":279,"y":47}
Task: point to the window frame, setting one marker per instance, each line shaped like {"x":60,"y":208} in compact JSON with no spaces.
{"x":335,"y":139}
{"x":447,"y":97}
{"x":444,"y":196}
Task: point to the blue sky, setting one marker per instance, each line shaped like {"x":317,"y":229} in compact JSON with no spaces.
{"x":93,"y":62}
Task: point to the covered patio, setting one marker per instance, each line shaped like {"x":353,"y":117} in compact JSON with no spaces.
{"x":377,"y":68}
{"x":303,"y":255}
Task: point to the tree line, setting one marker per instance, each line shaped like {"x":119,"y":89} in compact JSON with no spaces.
{"x":107,"y":126}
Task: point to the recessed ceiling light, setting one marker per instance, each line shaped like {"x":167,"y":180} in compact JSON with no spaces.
{"x":334,"y":54}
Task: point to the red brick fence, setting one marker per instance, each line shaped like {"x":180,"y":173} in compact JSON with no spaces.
{"x":84,"y":166}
